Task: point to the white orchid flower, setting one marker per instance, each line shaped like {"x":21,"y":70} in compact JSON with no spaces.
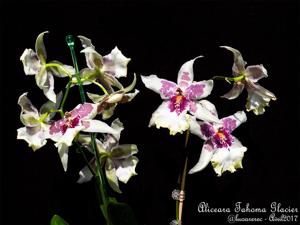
{"x":179,"y":99}
{"x":34,"y":63}
{"x":258,"y":97}
{"x":79,"y":119}
{"x":36,"y":129}
{"x":118,"y":160}
{"x":222,"y":149}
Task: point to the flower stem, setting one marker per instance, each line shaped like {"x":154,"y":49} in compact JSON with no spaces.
{"x":71,"y":43}
{"x":61,"y":108}
{"x":229,"y":79}
{"x":182,"y":180}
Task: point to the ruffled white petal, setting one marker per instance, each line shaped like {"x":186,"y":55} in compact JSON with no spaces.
{"x":35,"y":137}
{"x":125,"y":168}
{"x":205,"y":157}
{"x":186,"y":74}
{"x":228,"y":159}
{"x":115,"y":63}
{"x":163,"y":117}
{"x":31,"y":63}
{"x":165,"y":88}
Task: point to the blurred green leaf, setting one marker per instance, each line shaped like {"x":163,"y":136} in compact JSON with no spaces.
{"x":57,"y":220}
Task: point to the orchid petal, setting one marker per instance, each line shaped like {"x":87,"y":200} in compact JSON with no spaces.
{"x":40,"y":47}
{"x":125,"y":168}
{"x":256,"y":72}
{"x":48,"y":88}
{"x":85,"y":42}
{"x":232,"y":122}
{"x":68,"y":137}
{"x":195,"y":128}
{"x":115,"y":63}
{"x":31,"y":62}
{"x":62,"y":70}
{"x":95,"y":97}
{"x":163,"y":117}
{"x":123,"y":151}
{"x":63,"y":150}
{"x":205,"y":157}
{"x":110,"y":172}
{"x":97,"y":126}
{"x":165,"y":88}
{"x":258,"y":98}
{"x":198,"y":90}
{"x":235,"y":91}
{"x":35,"y":137}
{"x":26,"y":105}
{"x":186,"y":74}
{"x":239,"y":63}
{"x":85,"y":175}
{"x":93,"y":58}
{"x":129,"y":96}
{"x":85,"y":111}
{"x":48,"y":106}
{"x":205,"y":111}
{"x":228,"y":159}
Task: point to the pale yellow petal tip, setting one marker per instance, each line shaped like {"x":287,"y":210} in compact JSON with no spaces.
{"x":218,"y":167}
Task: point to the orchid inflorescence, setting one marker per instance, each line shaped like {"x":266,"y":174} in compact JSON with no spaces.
{"x":80,"y":126}
{"x":183,"y":109}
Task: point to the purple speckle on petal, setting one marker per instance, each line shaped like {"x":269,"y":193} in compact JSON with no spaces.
{"x":229,"y":124}
{"x":193,"y":107}
{"x":194,"y":91}
{"x":183,"y":84}
{"x":185,"y":76}
{"x":207,"y":130}
{"x":168,"y":89}
{"x":83,"y":110}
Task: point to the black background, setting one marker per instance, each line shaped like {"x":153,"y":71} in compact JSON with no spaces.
{"x":159,"y":36}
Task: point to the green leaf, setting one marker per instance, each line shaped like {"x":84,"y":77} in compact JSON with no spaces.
{"x":120,"y":214}
{"x":40,"y":47}
{"x":57,"y":220}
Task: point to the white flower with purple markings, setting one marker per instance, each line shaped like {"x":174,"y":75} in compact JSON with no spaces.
{"x":258,"y":97}
{"x":79,"y":119}
{"x":179,"y":99}
{"x":221,"y":148}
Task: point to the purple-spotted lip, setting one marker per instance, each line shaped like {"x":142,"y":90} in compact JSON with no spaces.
{"x":222,"y":139}
{"x":71,"y":119}
{"x":178,"y":103}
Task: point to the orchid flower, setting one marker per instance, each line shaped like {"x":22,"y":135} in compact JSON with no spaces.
{"x":179,"y":99}
{"x":36,"y":122}
{"x":34,"y":63}
{"x":221,"y":148}
{"x":79,"y":119}
{"x":258,"y":97}
{"x":119,"y":160}
{"x":108,"y":102}
{"x":106,"y":68}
